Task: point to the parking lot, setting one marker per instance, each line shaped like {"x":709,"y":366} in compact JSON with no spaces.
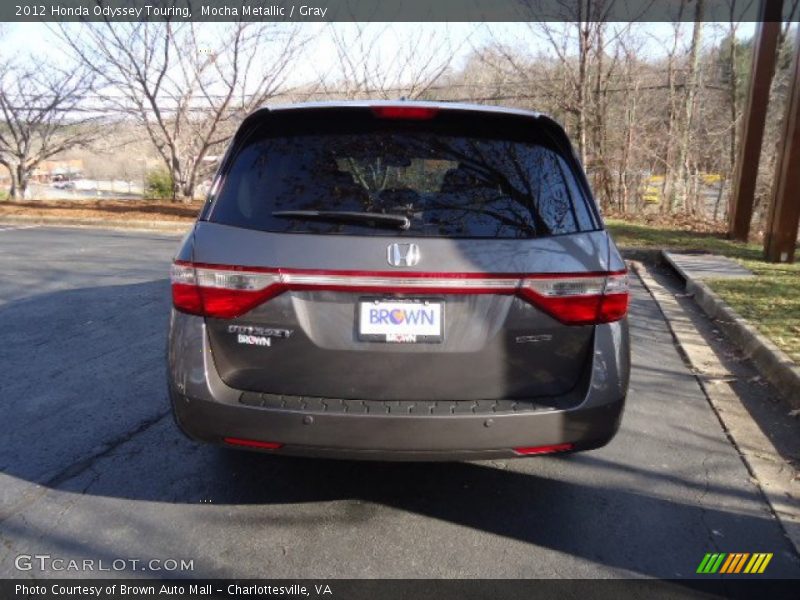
{"x":93,"y":466}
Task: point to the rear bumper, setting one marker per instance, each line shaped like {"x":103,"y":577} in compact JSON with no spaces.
{"x":208,"y":410}
{"x":398,"y":438}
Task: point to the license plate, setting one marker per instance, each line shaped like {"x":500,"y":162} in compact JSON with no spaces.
{"x":401,"y":321}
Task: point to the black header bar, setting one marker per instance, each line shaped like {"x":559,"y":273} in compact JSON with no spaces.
{"x":393,"y":589}
{"x":378,"y":10}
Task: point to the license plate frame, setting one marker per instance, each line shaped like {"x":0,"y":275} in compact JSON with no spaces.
{"x":387,"y":336}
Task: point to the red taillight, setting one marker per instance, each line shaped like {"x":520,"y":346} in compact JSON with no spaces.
{"x":579,"y":299}
{"x":253,"y":443}
{"x":412,"y":113}
{"x":613,"y":308}
{"x":221,"y":292}
{"x":226,"y":292}
{"x":544,"y":449}
{"x":186,"y":297}
{"x":227,"y":304}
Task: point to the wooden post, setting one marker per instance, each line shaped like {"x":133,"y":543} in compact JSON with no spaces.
{"x":784,"y":210}
{"x":754,"y":117}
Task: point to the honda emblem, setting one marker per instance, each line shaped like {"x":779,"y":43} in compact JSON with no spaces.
{"x":403,"y":255}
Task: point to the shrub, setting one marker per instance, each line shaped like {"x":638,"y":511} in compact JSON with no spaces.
{"x":159,"y":184}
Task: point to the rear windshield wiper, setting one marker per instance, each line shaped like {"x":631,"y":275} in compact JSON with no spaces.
{"x":344,"y":216}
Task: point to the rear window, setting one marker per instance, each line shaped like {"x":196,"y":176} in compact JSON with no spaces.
{"x":446,"y":185}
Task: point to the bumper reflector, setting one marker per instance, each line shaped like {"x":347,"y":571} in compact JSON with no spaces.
{"x":253,"y":443}
{"x":544,"y":449}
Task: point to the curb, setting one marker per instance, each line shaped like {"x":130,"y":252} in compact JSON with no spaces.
{"x":157,"y":226}
{"x":643,"y":255}
{"x":772,"y":362}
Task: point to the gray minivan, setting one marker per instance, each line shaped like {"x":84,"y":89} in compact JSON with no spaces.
{"x":399,"y":280}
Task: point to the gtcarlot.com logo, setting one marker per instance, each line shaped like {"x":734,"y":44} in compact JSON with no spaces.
{"x":47,"y":562}
{"x":734,"y":563}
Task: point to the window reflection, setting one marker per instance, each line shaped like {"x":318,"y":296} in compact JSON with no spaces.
{"x":447,"y":185}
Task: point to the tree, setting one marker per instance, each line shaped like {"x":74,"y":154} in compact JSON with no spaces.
{"x":366,"y":66}
{"x":187,"y":84}
{"x":734,"y":65}
{"x":689,"y":103}
{"x":575,"y":80}
{"x":42,"y":113}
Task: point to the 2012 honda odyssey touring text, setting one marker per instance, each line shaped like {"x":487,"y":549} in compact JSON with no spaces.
{"x":399,"y":281}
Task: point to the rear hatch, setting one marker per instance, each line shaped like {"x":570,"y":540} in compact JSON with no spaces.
{"x":408,"y":252}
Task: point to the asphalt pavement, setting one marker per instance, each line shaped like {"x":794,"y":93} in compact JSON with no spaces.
{"x":94,"y":468}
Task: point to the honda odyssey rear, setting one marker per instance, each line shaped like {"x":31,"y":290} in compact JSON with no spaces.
{"x":399,"y":281}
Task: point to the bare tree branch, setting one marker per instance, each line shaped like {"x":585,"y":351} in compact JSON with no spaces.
{"x":37,"y":120}
{"x":186,"y":84}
